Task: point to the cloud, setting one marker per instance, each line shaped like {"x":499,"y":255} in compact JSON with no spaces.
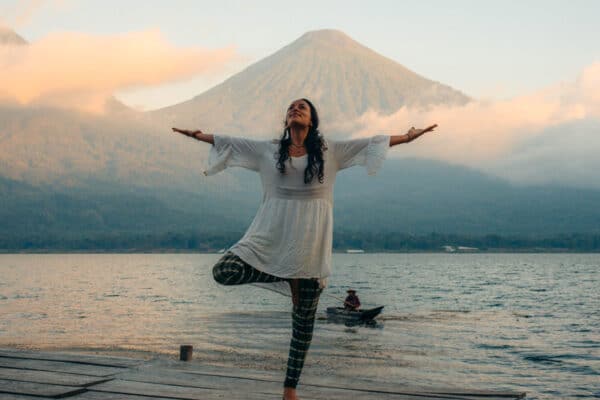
{"x":483,"y":132}
{"x":566,"y":154}
{"x":20,"y":12}
{"x":82,"y":71}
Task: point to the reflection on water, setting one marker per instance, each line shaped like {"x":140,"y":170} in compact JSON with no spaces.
{"x":491,"y":321}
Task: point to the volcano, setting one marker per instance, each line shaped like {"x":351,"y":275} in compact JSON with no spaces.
{"x":343,"y":78}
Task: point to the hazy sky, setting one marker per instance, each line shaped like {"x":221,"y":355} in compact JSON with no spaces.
{"x":487,"y":49}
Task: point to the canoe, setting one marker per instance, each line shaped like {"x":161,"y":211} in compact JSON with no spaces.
{"x":339,"y":314}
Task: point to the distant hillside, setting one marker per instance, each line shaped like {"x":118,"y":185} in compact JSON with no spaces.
{"x":423,"y":196}
{"x":106,"y":208}
{"x":408,"y":196}
{"x":48,"y":145}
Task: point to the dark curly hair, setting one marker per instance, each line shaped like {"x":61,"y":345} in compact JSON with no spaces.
{"x":315,"y":146}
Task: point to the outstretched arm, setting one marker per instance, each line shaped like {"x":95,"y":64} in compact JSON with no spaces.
{"x":411,"y":135}
{"x":198,"y":135}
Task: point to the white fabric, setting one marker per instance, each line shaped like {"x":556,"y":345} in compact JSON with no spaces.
{"x":292,"y":232}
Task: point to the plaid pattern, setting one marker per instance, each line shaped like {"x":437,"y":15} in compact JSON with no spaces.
{"x":232,"y":270}
{"x":303,"y":322}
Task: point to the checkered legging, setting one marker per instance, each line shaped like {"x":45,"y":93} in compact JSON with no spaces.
{"x":232,"y":270}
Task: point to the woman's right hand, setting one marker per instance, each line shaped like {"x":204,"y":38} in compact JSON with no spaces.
{"x":186,"y":132}
{"x":197,"y":134}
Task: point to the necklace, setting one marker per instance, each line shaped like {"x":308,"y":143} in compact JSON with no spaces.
{"x":296,"y":150}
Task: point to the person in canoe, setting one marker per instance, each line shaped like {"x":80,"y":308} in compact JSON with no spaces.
{"x":288,"y":245}
{"x":352,"y":302}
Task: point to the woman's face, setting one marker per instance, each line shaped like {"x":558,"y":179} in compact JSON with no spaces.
{"x":298,"y":114}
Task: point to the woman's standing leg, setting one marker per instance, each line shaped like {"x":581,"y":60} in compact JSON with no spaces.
{"x":232,"y":270}
{"x":303,"y":322}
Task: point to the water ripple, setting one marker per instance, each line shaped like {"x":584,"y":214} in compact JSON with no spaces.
{"x":524,"y":322}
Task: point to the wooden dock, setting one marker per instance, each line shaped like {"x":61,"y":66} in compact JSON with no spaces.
{"x":35,"y":375}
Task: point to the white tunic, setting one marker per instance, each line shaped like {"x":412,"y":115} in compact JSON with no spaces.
{"x":292,"y":232}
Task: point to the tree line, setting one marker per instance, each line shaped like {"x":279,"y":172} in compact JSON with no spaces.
{"x":367,"y":241}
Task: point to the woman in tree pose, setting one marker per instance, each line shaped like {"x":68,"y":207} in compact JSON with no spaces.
{"x":289,"y":243}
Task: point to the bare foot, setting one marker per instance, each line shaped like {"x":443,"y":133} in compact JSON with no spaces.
{"x":289,"y":394}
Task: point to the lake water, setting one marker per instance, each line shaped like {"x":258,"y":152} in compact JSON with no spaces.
{"x":519,"y":322}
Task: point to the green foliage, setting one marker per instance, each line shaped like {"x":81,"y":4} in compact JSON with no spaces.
{"x":371,"y":242}
{"x":393,"y":211}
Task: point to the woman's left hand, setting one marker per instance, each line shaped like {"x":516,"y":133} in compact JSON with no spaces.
{"x":411,"y":135}
{"x":413,"y":132}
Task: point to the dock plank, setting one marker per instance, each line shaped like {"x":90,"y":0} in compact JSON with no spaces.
{"x":324,"y":393}
{"x":242,"y":392}
{"x":8,"y":396}
{"x":197,"y":368}
{"x":54,"y":378}
{"x":108,"y":361}
{"x":58,"y":366}
{"x":274,"y":387}
{"x":480,"y":394}
{"x":166,"y":377}
{"x":358,"y":387}
{"x":37,"y":389}
{"x":26,"y":374}
{"x":307,"y":378}
{"x":177,"y":392}
{"x":456,"y":397}
{"x":111,"y":396}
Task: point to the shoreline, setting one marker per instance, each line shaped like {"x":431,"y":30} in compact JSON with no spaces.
{"x":187,"y":251}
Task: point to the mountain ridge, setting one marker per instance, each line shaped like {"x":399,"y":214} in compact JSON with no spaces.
{"x":9,"y":37}
{"x":312,"y":66}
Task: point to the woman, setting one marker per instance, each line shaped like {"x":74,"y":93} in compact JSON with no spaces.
{"x":289,"y":242}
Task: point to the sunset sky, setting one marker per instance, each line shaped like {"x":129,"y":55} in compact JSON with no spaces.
{"x":489,"y":50}
{"x":532,"y":68}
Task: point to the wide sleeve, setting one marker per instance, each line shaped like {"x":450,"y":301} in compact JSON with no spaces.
{"x":368,"y":152}
{"x":230,"y":151}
